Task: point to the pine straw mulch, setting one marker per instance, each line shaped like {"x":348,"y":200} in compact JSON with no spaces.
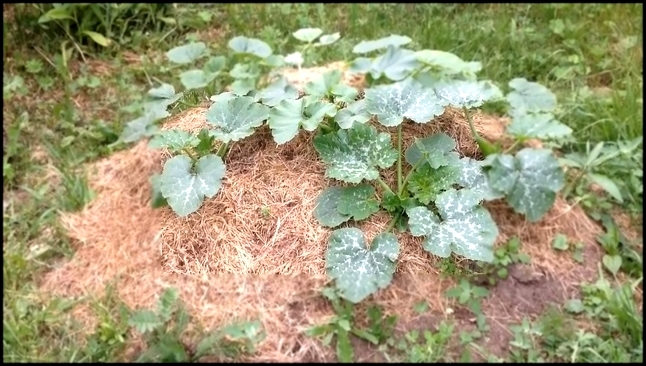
{"x":232,"y":260}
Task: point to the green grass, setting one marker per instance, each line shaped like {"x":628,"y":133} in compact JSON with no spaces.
{"x":589,"y":55}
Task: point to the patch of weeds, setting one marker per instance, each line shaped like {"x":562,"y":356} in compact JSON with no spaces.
{"x":164,"y":328}
{"x":561,"y":243}
{"x":426,"y":346}
{"x":619,"y":252}
{"x":469,"y":295}
{"x":14,"y":159}
{"x":504,"y":256}
{"x":341,"y":326}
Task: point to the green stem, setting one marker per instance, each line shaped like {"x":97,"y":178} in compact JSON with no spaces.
{"x":190,"y":154}
{"x":410,"y":174}
{"x":399,"y":158}
{"x":568,"y":189}
{"x":475,"y":134}
{"x":325,"y":128}
{"x":222,"y":150}
{"x":393,"y":222}
{"x":385,"y":186}
{"x":512,"y":147}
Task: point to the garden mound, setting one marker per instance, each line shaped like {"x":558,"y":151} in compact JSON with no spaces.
{"x":255,"y":252}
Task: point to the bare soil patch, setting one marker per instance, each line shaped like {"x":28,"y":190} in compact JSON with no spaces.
{"x":231,"y":261}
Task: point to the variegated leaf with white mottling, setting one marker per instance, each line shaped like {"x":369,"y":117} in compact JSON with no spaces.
{"x":391,"y":103}
{"x":184,"y":189}
{"x":357,"y":270}
{"x":530,"y":97}
{"x":465,"y":93}
{"x":464,"y":227}
{"x":437,"y":150}
{"x":236,"y":118}
{"x":355,"y":154}
{"x":473,"y":177}
{"x":537,"y":125}
{"x":530,"y":180}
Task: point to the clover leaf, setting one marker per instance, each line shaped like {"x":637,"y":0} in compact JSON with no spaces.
{"x":537,"y":125}
{"x":358,"y":202}
{"x":187,"y":53}
{"x":353,"y":113}
{"x":437,"y":150}
{"x":396,"y":64}
{"x":355,"y":154}
{"x":530,"y":97}
{"x":392,"y":40}
{"x":277,"y":91}
{"x":289,"y":115}
{"x":463,"y":226}
{"x":530,"y":180}
{"x":473,"y":177}
{"x":184,"y":190}
{"x":236,"y":118}
{"x":250,"y":46}
{"x":427,"y":183}
{"x":174,"y":140}
{"x":392,"y":103}
{"x":326,"y":212}
{"x":357,"y":270}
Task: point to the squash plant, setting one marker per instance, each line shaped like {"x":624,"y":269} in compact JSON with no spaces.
{"x":196,"y":170}
{"x":439,"y":197}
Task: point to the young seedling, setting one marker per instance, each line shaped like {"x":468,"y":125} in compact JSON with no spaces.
{"x":342,"y":325}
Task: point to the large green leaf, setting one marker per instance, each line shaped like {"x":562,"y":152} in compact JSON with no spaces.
{"x":447,"y":63}
{"x":463,"y":227}
{"x":278,"y":91}
{"x":392,"y":40}
{"x":307,"y":35}
{"x":358,"y":202}
{"x":185,"y":186}
{"x":537,"y":125}
{"x":465,"y":93}
{"x":355,"y":154}
{"x":530,"y":180}
{"x":187,"y":53}
{"x":396,"y":64}
{"x":196,"y":79}
{"x":236,"y":118}
{"x":174,"y":140}
{"x":328,"y":39}
{"x":436,"y":150}
{"x":427,"y":183}
{"x":392,"y":103}
{"x":359,"y":271}
{"x":528,"y":96}
{"x":162,"y":96}
{"x":329,"y":85}
{"x":288,"y":116}
{"x":250,"y":46}
{"x":143,"y":126}
{"x":354,"y":113}
{"x":326,"y":212}
{"x":472,"y":176}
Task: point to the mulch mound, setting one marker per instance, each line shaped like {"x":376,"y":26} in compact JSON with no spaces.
{"x":255,"y":250}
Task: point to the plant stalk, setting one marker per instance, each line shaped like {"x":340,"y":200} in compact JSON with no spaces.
{"x":399,"y":158}
{"x":393,"y":222}
{"x":474,"y":133}
{"x":190,"y":154}
{"x":568,"y":189}
{"x":403,"y":187}
{"x":512,"y":147}
{"x":222,"y":150}
{"x":385,"y":186}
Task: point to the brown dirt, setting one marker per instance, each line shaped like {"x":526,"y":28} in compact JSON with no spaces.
{"x":229,"y":261}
